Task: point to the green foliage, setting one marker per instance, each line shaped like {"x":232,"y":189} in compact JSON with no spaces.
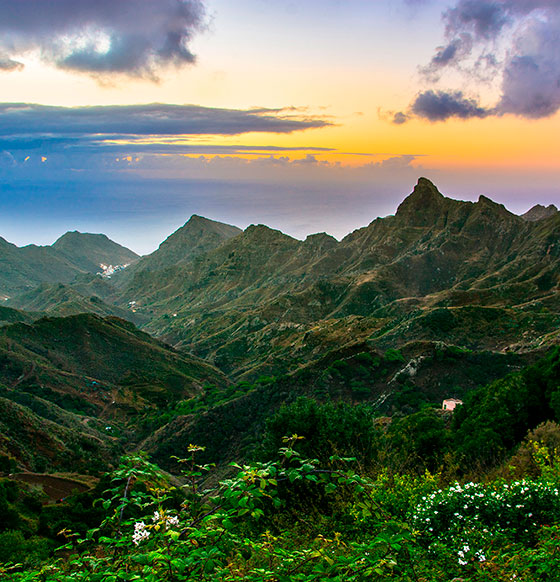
{"x":29,"y":552}
{"x":329,"y":429}
{"x":216,"y":395}
{"x":394,"y":355}
{"x":395,"y":527}
{"x":146,"y":536}
{"x":539,"y":453}
{"x":497,"y":417}
{"x":418,"y":442}
{"x":7,"y":464}
{"x":440,"y":320}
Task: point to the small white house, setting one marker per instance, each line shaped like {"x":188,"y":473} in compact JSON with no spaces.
{"x":451,"y":403}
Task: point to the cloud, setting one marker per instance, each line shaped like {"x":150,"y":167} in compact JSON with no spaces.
{"x":441,"y":105}
{"x":481,"y":18}
{"x":515,"y":42}
{"x":399,"y":118}
{"x":94,"y":137}
{"x":85,"y":137}
{"x":7,"y":160}
{"x":114,"y":121}
{"x":447,"y":56}
{"x":531,"y":78}
{"x":131,"y":37}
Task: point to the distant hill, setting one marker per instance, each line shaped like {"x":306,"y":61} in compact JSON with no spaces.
{"x":89,"y":251}
{"x":86,"y":294}
{"x":9,"y":315}
{"x":197,"y":236}
{"x":539,"y":212}
{"x":22,"y":268}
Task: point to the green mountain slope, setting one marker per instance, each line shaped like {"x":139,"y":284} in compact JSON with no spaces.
{"x":82,"y":296}
{"x":196,"y":237}
{"x":25,"y":267}
{"x":87,"y":372}
{"x":88,"y":251}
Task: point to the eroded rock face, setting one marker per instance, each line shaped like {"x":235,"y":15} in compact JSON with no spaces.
{"x":539,"y":212}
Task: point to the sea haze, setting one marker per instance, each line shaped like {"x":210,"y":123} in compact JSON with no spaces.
{"x":140,"y":213}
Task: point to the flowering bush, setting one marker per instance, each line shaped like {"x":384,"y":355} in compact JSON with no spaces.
{"x":244,"y":528}
{"x":213,"y":534}
{"x":476,"y":525}
{"x":518,"y":508}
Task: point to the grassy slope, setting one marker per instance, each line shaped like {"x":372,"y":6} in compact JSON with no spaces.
{"x":84,"y":372}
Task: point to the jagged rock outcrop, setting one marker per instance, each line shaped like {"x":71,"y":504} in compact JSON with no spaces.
{"x":539,"y":212}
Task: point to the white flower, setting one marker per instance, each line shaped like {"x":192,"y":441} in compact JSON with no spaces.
{"x":140,"y":532}
{"x":171,"y":522}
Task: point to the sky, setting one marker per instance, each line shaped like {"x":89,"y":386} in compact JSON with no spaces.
{"x":128,"y":116}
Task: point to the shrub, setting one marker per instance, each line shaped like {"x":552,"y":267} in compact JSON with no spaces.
{"x":516,"y":510}
{"x":147,"y":537}
{"x":393,"y":355}
{"x":328,"y":428}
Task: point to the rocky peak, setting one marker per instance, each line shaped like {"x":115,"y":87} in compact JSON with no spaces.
{"x":90,"y":251}
{"x":321,"y":239}
{"x":197,"y":230}
{"x":486,"y":207}
{"x":261,"y":234}
{"x":72,"y":236}
{"x":539,"y":212}
{"x":202,"y":225}
{"x":198,"y":235}
{"x":423,"y":205}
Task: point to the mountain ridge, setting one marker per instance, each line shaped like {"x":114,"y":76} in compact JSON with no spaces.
{"x":89,"y":251}
{"x":74,"y":253}
{"x":247,"y":299}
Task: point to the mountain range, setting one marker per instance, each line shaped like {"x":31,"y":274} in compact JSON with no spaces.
{"x":442,"y":297}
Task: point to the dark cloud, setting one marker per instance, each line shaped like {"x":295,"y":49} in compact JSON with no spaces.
{"x":23,"y":119}
{"x":441,"y":105}
{"x":531,"y":77}
{"x":448,"y":55}
{"x":399,"y":118}
{"x":75,"y":133}
{"x":133,"y":37}
{"x":485,"y":20}
{"x":516,"y":42}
